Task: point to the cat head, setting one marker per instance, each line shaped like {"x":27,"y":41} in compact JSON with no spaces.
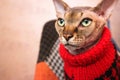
{"x":81,"y":27}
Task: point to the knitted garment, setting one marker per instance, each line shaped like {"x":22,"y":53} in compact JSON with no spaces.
{"x":97,"y":63}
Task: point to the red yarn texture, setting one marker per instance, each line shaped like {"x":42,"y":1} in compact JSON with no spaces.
{"x":92,"y":63}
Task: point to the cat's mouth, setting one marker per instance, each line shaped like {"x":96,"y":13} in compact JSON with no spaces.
{"x":76,"y":46}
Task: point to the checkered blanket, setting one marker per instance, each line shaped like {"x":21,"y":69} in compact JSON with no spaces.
{"x":55,"y":62}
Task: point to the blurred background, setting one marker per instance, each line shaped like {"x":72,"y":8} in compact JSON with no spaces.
{"x":21,"y":23}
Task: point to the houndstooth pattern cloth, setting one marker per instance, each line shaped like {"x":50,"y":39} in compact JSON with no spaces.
{"x":55,"y":62}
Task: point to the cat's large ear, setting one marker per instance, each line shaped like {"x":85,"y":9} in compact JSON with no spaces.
{"x":60,"y":7}
{"x":105,"y":8}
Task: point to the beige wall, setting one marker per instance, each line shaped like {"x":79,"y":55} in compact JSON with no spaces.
{"x":19,"y":38}
{"x":21,"y":24}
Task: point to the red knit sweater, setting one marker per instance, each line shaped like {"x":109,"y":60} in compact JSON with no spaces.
{"x":97,"y":63}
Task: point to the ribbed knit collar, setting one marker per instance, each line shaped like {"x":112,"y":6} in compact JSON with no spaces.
{"x":95,"y":61}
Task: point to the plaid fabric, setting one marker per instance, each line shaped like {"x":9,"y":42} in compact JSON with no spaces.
{"x":55,"y":62}
{"x":49,"y":49}
{"x":48,"y":39}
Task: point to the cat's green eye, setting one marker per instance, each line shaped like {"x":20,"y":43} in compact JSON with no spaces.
{"x":86,"y":22}
{"x":61,"y":22}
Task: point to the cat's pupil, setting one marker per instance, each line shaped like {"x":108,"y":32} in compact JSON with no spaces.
{"x":86,"y":21}
{"x":61,"y":21}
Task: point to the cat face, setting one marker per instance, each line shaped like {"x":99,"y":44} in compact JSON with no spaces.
{"x":79,"y":27}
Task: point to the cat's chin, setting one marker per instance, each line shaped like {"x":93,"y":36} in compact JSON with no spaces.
{"x":74,"y":50}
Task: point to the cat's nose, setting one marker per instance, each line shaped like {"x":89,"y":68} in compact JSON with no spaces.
{"x":67,"y":36}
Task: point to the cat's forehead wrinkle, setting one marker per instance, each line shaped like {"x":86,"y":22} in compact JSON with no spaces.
{"x":75,"y":13}
{"x":72,"y":15}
